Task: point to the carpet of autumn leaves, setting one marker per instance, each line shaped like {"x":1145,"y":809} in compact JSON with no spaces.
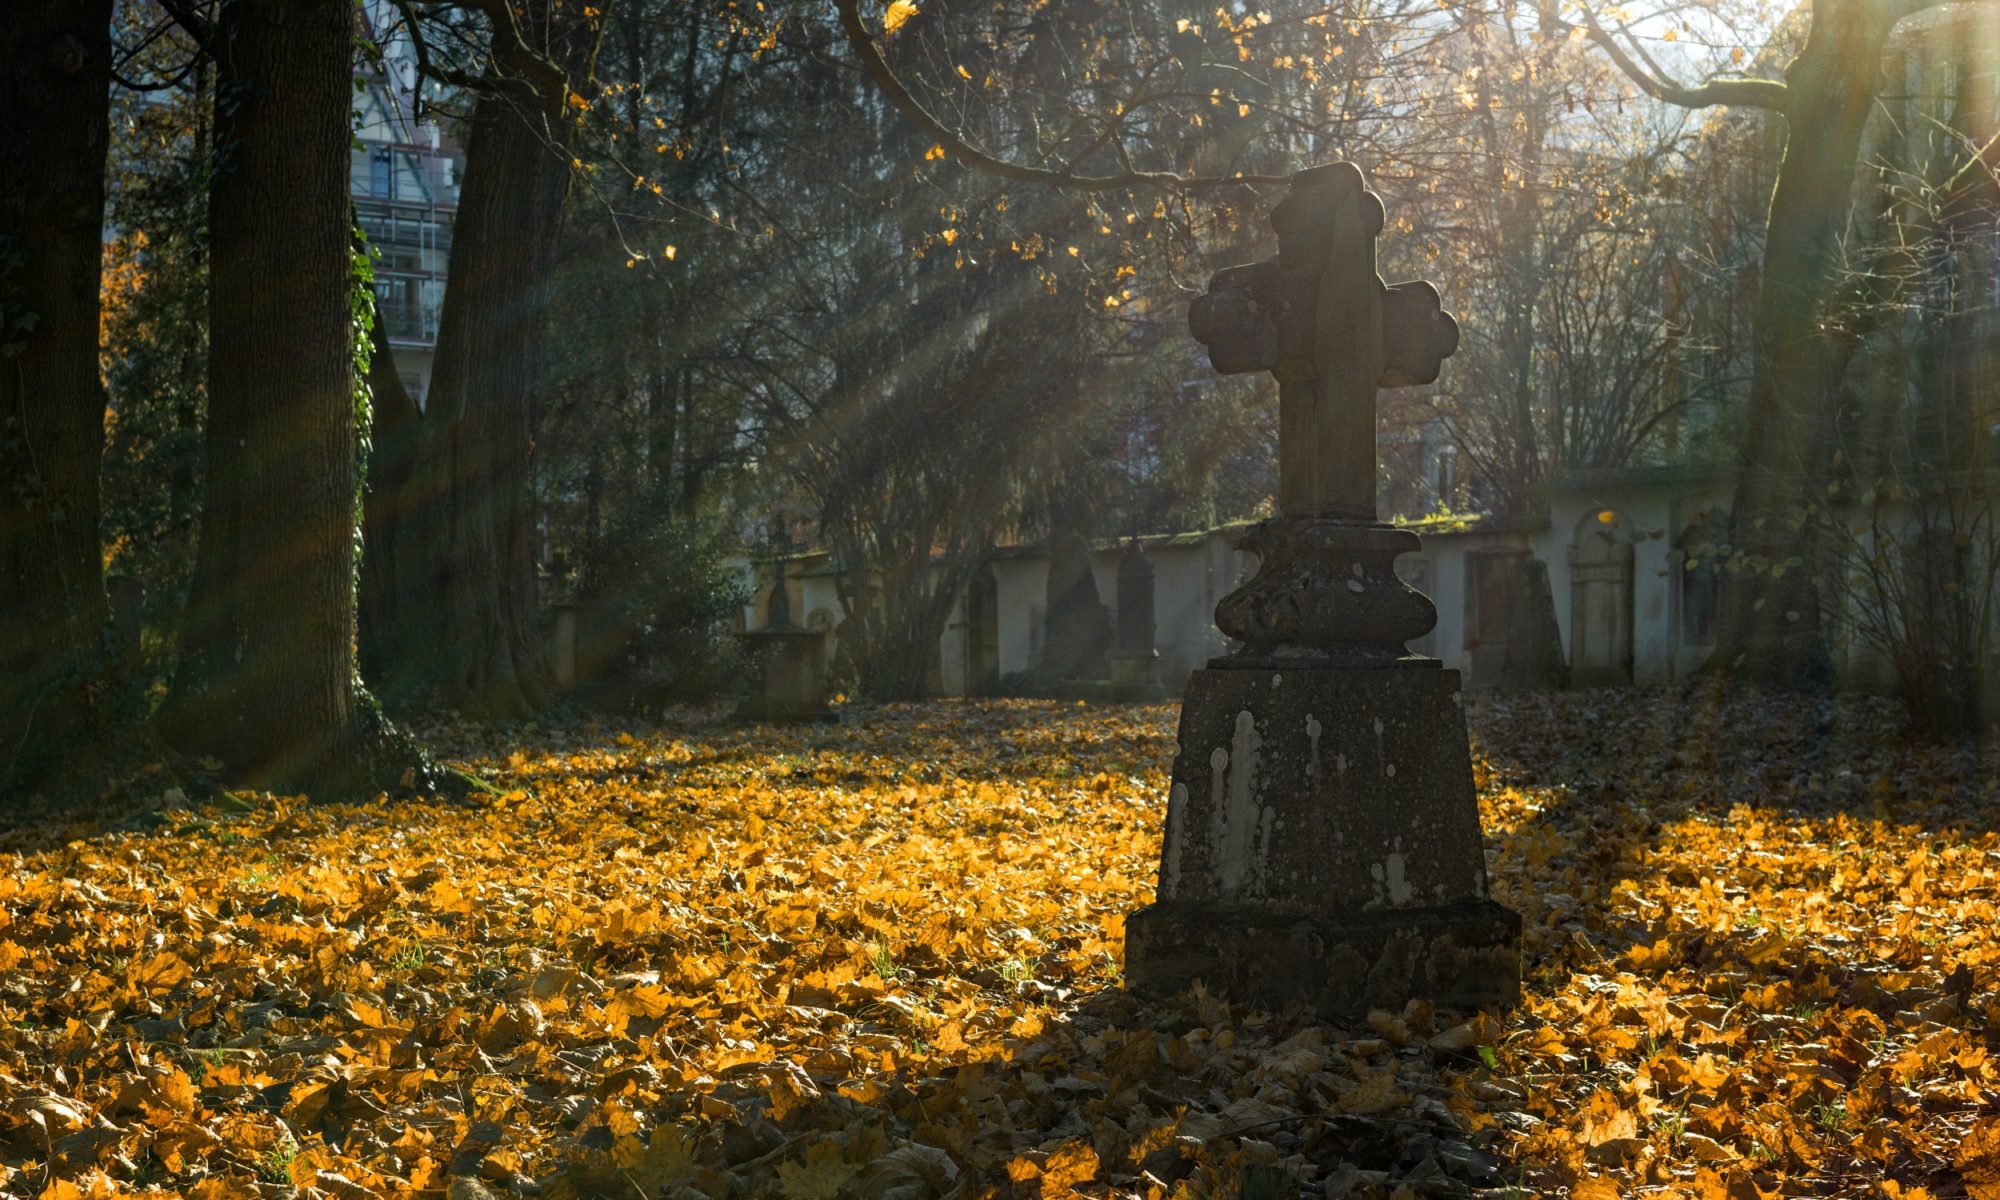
{"x":881,"y":959}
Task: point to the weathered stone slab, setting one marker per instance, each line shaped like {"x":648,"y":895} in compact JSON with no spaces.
{"x":1135,"y":661}
{"x":1322,"y":822}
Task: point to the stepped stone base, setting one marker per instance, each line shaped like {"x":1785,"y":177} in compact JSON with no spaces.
{"x":1463,"y":956}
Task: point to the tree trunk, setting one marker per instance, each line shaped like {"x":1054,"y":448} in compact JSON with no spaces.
{"x":55,"y":72}
{"x":389,"y":577}
{"x":663,"y":399}
{"x":266,"y":679}
{"x":467,"y":628}
{"x":1770,"y":627}
{"x":895,"y":664}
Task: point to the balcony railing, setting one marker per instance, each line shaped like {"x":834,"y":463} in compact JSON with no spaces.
{"x":406,"y":320}
{"x":389,"y":224}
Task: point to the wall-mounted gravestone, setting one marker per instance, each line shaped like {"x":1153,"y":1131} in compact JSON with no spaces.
{"x":1077,"y":628}
{"x":788,"y":664}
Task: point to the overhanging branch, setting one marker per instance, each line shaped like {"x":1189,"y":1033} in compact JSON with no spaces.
{"x":549,"y":82}
{"x":197,"y":26}
{"x":956,"y":147}
{"x":1735,"y":92}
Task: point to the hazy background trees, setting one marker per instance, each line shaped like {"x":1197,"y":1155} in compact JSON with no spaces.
{"x":711,"y":276}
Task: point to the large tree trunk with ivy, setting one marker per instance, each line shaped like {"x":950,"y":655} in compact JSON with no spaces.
{"x":464,"y":626}
{"x":56,"y":718}
{"x":266,"y":679}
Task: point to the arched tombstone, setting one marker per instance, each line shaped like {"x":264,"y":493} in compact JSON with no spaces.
{"x":1600,"y":600}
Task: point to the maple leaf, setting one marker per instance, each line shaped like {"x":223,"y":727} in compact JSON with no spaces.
{"x":1978,"y":1160}
{"x":898,"y":13}
{"x":1069,"y":1166}
{"x":911,"y":1172}
{"x":820,"y":1177}
{"x":1606,"y":1119}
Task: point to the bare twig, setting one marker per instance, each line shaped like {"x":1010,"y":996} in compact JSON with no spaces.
{"x":198,"y":26}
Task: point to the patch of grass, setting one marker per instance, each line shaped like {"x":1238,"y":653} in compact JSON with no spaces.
{"x":276,"y":1165}
{"x":1829,"y":1115}
{"x":1014,"y":970}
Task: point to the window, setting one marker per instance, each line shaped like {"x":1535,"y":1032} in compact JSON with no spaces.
{"x":382,"y":175}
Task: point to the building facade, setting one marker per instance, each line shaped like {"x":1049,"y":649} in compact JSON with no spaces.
{"x":404,"y":178}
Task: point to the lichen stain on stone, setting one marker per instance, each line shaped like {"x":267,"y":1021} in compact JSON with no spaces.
{"x":1267,"y":824}
{"x":1170,"y":882}
{"x":1392,"y":882}
{"x":1238,"y":858}
{"x":1398,"y":881}
{"x":1218,"y":767}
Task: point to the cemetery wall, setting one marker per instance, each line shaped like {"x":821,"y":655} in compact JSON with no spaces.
{"x":1614,"y":544}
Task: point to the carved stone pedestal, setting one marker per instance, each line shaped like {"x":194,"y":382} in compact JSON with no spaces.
{"x":1323,"y":846}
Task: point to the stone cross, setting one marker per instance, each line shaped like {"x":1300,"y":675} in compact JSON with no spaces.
{"x":1322,"y":841}
{"x":1320,"y":319}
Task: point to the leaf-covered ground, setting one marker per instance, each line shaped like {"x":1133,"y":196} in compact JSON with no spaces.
{"x":881,"y":960}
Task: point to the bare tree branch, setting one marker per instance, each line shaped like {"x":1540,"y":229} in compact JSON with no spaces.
{"x":549,"y":82}
{"x":1910,"y":8}
{"x":1736,"y":92}
{"x":426,"y":67}
{"x":957,"y":147}
{"x":198,"y":26}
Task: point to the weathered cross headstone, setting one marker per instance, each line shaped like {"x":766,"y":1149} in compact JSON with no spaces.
{"x":1323,"y":839}
{"x":1135,"y":660}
